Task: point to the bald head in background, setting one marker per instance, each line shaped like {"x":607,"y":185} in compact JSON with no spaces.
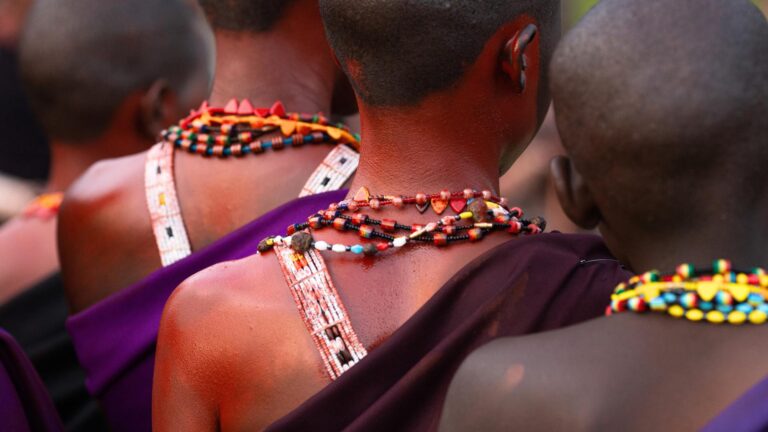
{"x":661,"y":108}
{"x":80,"y":60}
{"x":698,"y":88}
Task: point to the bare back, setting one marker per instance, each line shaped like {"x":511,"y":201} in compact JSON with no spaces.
{"x":105,"y":238}
{"x":243,"y":316}
{"x":625,"y":372}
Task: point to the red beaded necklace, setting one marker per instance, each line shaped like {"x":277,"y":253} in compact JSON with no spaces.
{"x":485,"y":212}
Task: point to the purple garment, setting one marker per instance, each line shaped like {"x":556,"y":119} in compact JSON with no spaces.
{"x":115,"y":338}
{"x":25,"y":405}
{"x":526,"y":285}
{"x":748,"y":414}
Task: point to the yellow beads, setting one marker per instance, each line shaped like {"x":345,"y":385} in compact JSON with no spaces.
{"x":715,"y":317}
{"x":676,"y":311}
{"x":694,"y":315}
{"x":757,"y":317}
{"x":737,"y":317}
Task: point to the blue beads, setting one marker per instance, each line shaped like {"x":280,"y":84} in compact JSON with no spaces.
{"x":745,"y":308}
{"x":755,"y":299}
{"x":725,"y":308}
{"x":763,"y":308}
{"x":358,"y":249}
{"x":227,"y":151}
{"x":658,"y":304}
{"x":706,"y":306}
{"x":670,"y":297}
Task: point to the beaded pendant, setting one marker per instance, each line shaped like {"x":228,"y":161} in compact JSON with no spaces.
{"x":717,"y":296}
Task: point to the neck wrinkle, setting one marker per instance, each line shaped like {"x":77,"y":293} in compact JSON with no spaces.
{"x":265,"y":68}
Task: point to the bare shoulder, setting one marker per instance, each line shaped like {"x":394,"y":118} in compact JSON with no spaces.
{"x":102,"y":221}
{"x":235,"y":312}
{"x":527,"y":383}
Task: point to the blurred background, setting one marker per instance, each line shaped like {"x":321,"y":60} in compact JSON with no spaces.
{"x":24,"y":152}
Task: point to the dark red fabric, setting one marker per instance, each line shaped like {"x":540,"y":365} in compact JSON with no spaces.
{"x":524,"y":286}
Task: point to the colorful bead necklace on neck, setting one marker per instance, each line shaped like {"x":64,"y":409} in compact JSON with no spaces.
{"x":45,"y":206}
{"x":717,"y":295}
{"x":486,"y":214}
{"x":234,"y":130}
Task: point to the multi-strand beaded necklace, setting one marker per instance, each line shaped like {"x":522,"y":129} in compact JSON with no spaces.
{"x":477,"y":214}
{"x":716,"y":295}
{"x":235,"y":130}
{"x":485,"y":213}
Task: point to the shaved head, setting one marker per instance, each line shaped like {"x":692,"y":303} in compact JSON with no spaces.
{"x":396,"y":52}
{"x":80,"y":59}
{"x":662,"y":105}
{"x":244,"y":15}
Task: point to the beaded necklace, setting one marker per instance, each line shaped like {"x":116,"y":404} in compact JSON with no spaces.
{"x":234,"y":130}
{"x":485,"y":213}
{"x":45,"y":206}
{"x":311,"y":284}
{"x":717,"y":295}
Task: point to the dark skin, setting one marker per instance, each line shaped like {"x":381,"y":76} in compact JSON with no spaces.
{"x":233,"y":352}
{"x":624,"y":372}
{"x":142,"y":115}
{"x":107,"y":207}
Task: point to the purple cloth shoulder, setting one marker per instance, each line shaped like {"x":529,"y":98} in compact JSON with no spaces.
{"x":747,"y":414}
{"x":25,"y":405}
{"x":115,"y":339}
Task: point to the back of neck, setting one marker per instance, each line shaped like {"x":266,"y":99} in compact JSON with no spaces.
{"x":425,"y":149}
{"x":265,"y":67}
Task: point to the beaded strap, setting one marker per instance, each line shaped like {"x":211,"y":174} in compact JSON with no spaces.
{"x":337,"y":167}
{"x":163,"y":204}
{"x":321,"y":309}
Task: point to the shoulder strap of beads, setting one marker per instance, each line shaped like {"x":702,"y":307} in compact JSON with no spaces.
{"x":321,"y":309}
{"x":163,"y":204}
{"x":333,"y":172}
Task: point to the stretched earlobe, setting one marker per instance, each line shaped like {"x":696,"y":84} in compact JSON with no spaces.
{"x":515,"y":61}
{"x":156,"y":109}
{"x":574,"y":195}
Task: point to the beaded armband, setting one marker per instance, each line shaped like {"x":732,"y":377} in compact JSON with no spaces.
{"x":320,"y":307}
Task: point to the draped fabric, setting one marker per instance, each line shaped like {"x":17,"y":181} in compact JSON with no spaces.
{"x":115,"y":339}
{"x":526,"y":285}
{"x":35,"y":318}
{"x":747,"y":414}
{"x":24,"y":403}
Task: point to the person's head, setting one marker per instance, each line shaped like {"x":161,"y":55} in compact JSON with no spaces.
{"x":485,"y":57}
{"x":100,"y":68}
{"x":662,"y":107}
{"x":292,"y":24}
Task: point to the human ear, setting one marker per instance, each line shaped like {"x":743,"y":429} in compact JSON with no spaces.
{"x":158,"y":109}
{"x":517,"y":54}
{"x":575,"y":197}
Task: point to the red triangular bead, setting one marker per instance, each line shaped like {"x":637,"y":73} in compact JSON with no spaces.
{"x":231,"y":107}
{"x":458,"y":205}
{"x":203,"y":106}
{"x":277,"y":109}
{"x":261,"y":112}
{"x":245,"y":107}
